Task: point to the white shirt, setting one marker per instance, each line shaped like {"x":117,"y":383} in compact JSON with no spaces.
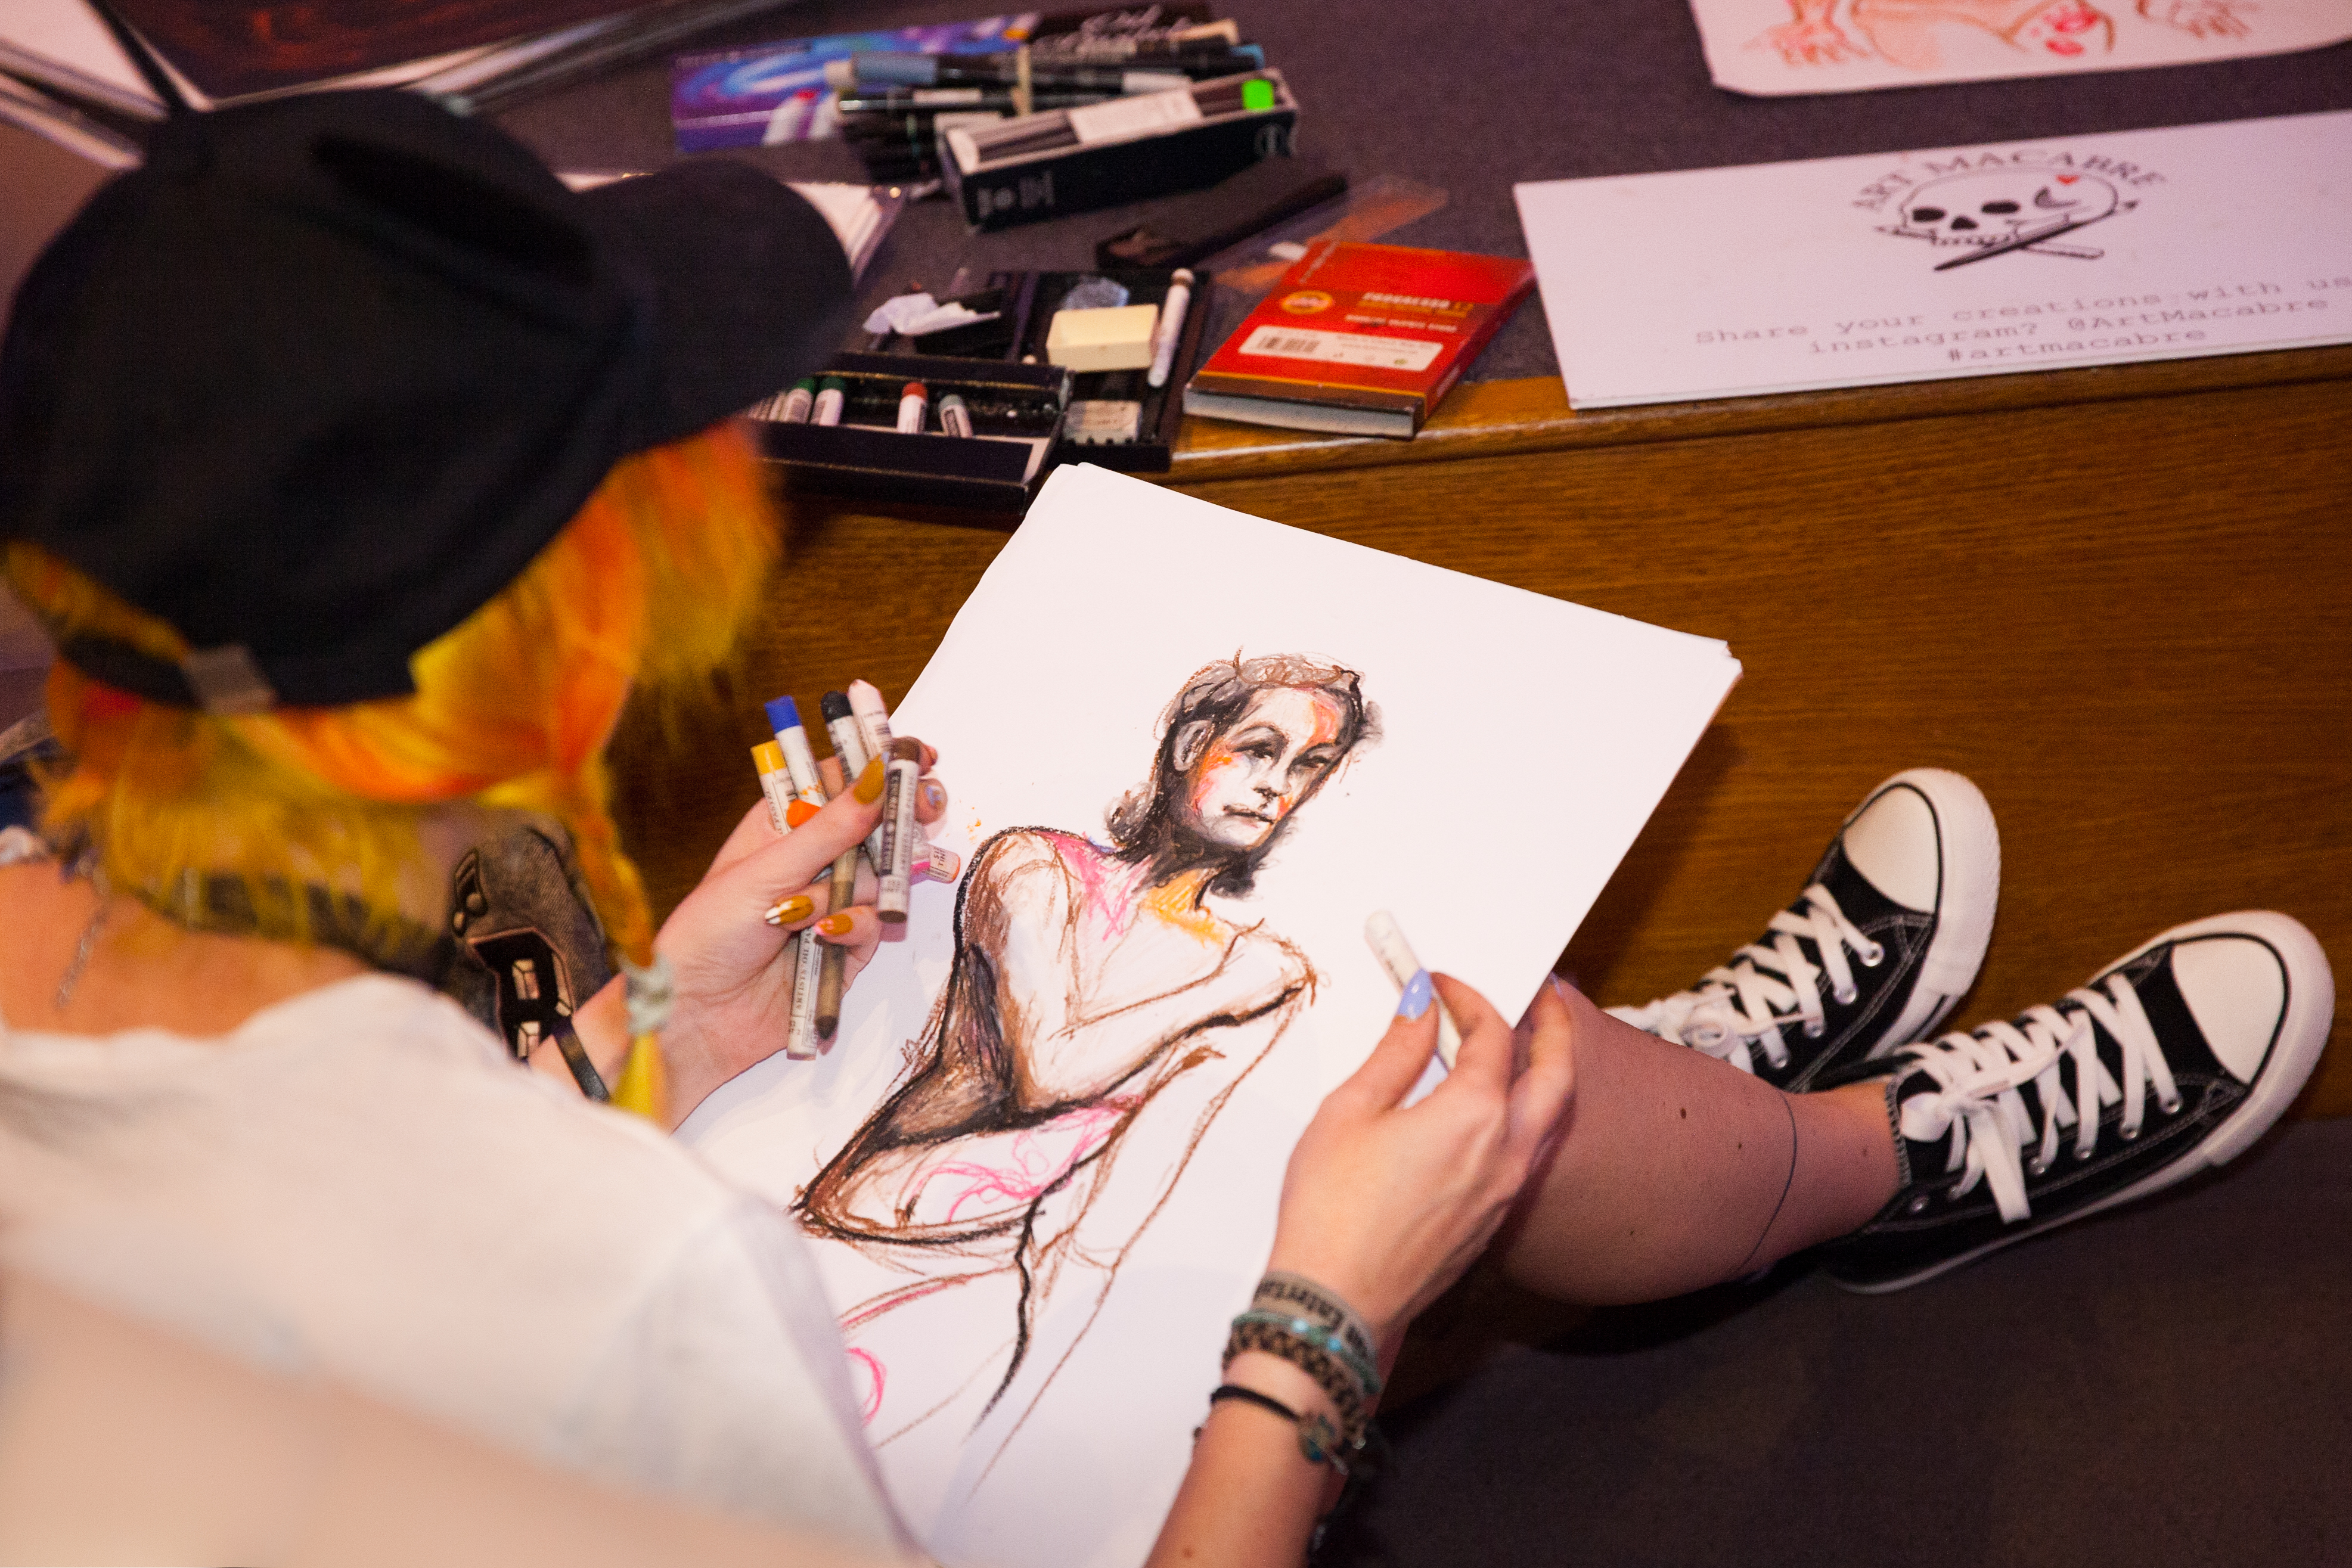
{"x":358,"y":1184}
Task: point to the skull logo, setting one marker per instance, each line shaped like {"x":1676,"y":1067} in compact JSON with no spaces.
{"x":1986,"y":207}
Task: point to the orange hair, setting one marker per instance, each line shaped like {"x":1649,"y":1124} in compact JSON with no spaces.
{"x":512,"y":709}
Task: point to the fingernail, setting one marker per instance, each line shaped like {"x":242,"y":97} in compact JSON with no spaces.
{"x":1417,"y":996}
{"x":869,"y":783}
{"x":798,"y":814}
{"x":788,"y":911}
{"x":935,"y":796}
{"x":835,"y":924}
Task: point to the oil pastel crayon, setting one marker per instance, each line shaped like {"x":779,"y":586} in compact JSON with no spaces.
{"x":1396,"y":957}
{"x":897,"y":863}
{"x":831,"y":393}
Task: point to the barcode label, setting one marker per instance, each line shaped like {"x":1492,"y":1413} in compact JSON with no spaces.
{"x":1342,"y":347}
{"x":1124,"y":117}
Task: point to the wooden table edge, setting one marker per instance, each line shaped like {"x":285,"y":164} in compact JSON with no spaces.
{"x":1489,"y":418}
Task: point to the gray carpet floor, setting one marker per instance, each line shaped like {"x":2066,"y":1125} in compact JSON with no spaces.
{"x":2170,"y":1384}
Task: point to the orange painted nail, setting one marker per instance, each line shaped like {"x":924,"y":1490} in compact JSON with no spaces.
{"x":836,"y":925}
{"x":798,"y":814}
{"x":796,"y":908}
{"x":869,"y":783}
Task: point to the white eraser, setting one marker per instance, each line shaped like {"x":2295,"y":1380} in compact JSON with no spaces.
{"x":1115,"y":338}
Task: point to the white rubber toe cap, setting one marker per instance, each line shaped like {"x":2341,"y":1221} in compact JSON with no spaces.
{"x":2235,"y":987}
{"x":1892,"y":840}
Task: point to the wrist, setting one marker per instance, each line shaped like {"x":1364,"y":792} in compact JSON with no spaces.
{"x":1277,"y":1379}
{"x":1383,"y":1320}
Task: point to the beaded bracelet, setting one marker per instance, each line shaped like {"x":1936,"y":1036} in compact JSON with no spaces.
{"x":1281,"y":1290}
{"x":1337,"y":1381}
{"x":1325,"y":1338}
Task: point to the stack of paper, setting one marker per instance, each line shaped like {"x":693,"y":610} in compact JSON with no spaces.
{"x":215,"y":54}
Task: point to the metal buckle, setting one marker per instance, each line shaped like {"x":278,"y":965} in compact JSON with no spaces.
{"x":227,"y":680}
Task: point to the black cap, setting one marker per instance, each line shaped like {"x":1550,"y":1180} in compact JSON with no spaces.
{"x":318,"y":379}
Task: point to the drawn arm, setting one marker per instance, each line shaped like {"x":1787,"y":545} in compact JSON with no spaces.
{"x":1089,"y":996}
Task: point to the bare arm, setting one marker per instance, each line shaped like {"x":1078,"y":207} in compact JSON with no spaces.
{"x":1384,"y":1206}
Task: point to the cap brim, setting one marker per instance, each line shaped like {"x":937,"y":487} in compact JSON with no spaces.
{"x":749,"y":286}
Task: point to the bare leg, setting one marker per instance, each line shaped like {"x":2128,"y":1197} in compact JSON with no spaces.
{"x":1677,"y":1171}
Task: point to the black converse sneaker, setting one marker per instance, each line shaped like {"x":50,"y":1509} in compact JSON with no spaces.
{"x":1873,"y":954}
{"x":2174,"y":1060}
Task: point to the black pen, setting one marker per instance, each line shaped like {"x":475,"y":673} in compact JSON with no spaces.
{"x":866,"y":71}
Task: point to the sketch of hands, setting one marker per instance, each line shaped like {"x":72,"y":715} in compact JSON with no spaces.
{"x":1816,"y":41}
{"x":1387,"y":1205}
{"x":2200,"y":18}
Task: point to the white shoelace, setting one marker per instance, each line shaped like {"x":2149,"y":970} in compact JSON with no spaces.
{"x":1744,"y":1003}
{"x":1978,"y":1104}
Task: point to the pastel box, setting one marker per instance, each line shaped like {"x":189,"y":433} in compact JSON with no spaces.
{"x":1116,"y":337}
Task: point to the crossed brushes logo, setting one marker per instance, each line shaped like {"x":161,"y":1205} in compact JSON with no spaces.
{"x":1973,"y":207}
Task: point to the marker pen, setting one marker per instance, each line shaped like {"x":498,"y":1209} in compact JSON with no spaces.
{"x":874,"y":723}
{"x":1395,"y":955}
{"x":849,"y":745}
{"x":914,"y":402}
{"x":897,"y":863}
{"x":873,"y":719}
{"x":831,"y":393}
{"x":775,"y":783}
{"x":808,"y":962}
{"x":1171,"y":327}
{"x":955,"y":415}
{"x":833,"y":969}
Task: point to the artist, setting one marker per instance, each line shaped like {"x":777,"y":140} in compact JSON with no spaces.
{"x":360,"y":471}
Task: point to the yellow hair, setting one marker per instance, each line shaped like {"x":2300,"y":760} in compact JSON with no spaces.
{"x":649,"y":582}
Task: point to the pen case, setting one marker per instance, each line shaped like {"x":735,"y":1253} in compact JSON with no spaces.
{"x":1016,"y":414}
{"x":1046,"y":165}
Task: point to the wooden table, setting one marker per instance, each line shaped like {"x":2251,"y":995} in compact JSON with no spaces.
{"x":2120,"y":599}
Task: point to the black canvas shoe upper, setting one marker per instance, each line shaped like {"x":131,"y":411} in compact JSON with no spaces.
{"x":2021,"y":1126}
{"x":1821,"y":988}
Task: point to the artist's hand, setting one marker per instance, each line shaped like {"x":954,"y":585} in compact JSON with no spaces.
{"x":1387,"y":1205}
{"x":732,"y":969}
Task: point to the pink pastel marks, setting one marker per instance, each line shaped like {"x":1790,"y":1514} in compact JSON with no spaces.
{"x":1035,"y":1166}
{"x":866,"y":1368}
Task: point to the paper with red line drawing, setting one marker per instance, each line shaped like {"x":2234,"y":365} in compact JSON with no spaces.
{"x":1960,"y":261}
{"x":1190,"y":752}
{"x":1772,"y":48}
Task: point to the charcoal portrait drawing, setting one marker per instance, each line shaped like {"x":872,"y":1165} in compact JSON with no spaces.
{"x":1100,"y":989}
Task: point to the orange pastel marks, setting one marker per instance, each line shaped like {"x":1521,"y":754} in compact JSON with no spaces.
{"x":1172,"y":902}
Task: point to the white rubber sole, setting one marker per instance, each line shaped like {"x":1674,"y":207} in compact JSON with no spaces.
{"x":1967,"y":896}
{"x":2296,"y":1048}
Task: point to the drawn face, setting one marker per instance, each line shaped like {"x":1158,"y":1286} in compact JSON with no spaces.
{"x":1265,"y":761}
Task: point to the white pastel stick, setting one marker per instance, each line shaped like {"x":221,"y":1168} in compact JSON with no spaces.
{"x":1395,"y":955}
{"x":800,"y":1035}
{"x":1171,"y":327}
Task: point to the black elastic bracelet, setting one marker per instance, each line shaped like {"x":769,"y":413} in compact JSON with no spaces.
{"x":1252,"y":1396}
{"x":1318,"y":1440}
{"x":576,"y":1057}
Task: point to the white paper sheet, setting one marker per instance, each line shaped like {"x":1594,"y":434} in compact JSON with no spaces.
{"x":2025,"y":256}
{"x":1775,"y":47}
{"x":1523,"y":741}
